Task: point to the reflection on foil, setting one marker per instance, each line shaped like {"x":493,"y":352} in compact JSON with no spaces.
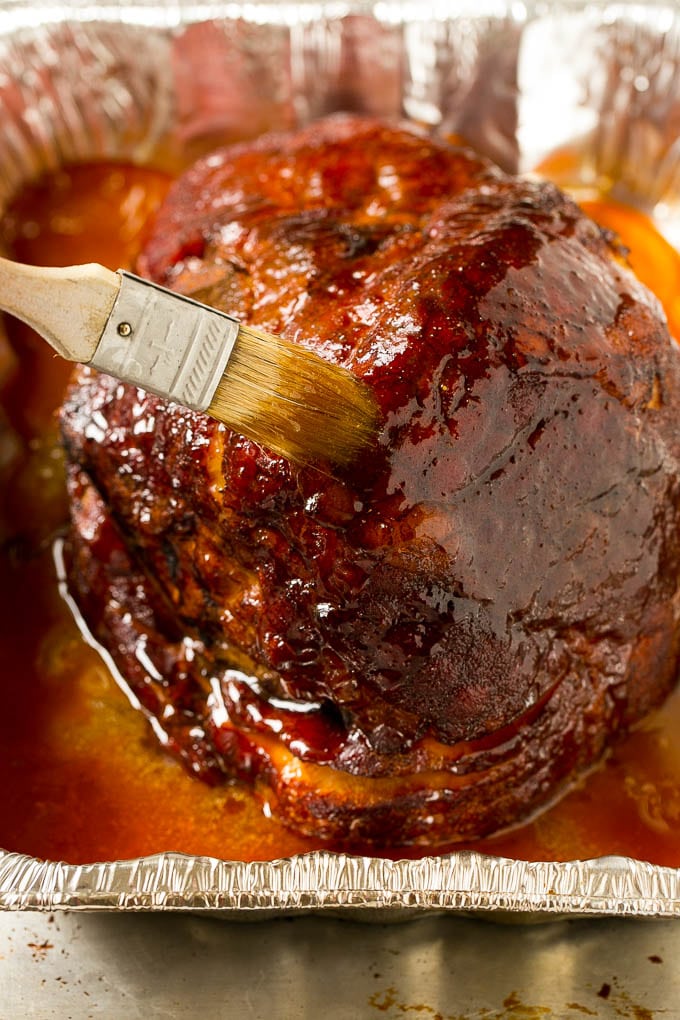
{"x":594,"y":87}
{"x":601,"y":86}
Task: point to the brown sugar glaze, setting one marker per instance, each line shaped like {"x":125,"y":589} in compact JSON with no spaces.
{"x":82,"y":776}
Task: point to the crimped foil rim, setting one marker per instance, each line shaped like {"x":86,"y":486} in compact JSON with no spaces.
{"x":364,"y":887}
{"x":465,"y":881}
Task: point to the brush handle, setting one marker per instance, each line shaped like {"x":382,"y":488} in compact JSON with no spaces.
{"x":69,"y":307}
{"x":127,"y":327}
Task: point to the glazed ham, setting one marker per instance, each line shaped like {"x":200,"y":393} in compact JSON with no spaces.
{"x":429,"y":645}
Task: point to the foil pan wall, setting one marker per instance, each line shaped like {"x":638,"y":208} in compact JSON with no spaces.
{"x":160,"y":83}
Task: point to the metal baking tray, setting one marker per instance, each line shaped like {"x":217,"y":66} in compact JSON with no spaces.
{"x":145,"y":81}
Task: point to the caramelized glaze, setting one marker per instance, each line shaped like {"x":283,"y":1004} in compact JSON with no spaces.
{"x":427,"y":646}
{"x":84,"y":780}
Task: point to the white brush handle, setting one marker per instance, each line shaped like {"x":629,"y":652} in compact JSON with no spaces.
{"x":69,"y":307}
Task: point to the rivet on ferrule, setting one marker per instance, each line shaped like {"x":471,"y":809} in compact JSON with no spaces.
{"x":174,"y":346}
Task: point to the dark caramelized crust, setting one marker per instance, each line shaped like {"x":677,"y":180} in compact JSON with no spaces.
{"x":425,"y":648}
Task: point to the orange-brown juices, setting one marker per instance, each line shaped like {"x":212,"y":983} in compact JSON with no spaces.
{"x":82,"y":776}
{"x":654,"y":260}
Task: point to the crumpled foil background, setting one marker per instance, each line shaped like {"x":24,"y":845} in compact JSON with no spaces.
{"x":596,"y":83}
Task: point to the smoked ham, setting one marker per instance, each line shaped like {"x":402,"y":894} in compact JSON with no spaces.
{"x":429,"y":645}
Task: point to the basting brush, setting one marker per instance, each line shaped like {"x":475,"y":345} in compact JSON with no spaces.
{"x":278,"y":393}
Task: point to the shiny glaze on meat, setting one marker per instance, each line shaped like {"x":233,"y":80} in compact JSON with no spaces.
{"x":425,"y":648}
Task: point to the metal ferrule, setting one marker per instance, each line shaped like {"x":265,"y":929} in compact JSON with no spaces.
{"x":165,"y":343}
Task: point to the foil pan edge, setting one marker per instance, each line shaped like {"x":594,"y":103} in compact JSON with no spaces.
{"x":325,"y":881}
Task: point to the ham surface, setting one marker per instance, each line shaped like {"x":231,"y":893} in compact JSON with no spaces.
{"x":428,"y":646}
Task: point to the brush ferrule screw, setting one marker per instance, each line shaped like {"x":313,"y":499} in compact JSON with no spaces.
{"x":165,"y":343}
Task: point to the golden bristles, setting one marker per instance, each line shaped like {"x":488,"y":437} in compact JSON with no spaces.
{"x":292,"y":401}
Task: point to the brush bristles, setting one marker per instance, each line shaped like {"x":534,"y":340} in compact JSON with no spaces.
{"x":292,"y":401}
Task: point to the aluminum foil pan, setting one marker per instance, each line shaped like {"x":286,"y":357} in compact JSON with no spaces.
{"x":150,"y":81}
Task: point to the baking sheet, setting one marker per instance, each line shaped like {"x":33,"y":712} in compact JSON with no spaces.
{"x":158,"y":967}
{"x":157,"y":83}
